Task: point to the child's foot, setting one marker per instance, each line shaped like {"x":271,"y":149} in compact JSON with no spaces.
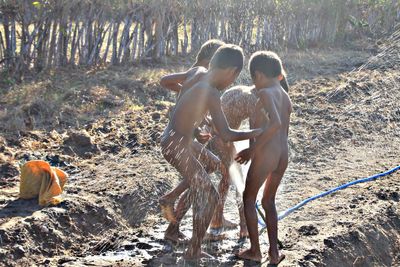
{"x":274,"y":261}
{"x":167,"y":210}
{"x":177,"y":237}
{"x":244,"y":233}
{"x":250,"y":255}
{"x":214,"y":237}
{"x":224,"y":224}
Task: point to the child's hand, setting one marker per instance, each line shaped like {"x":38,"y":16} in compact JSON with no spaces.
{"x":203,"y":137}
{"x":244,"y":156}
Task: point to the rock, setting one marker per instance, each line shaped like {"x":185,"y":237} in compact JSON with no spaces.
{"x":111,"y":148}
{"x":13,"y":141}
{"x":65,"y":260}
{"x":156,"y":116}
{"x":19,"y":250}
{"x":329,"y":243}
{"x":308,"y":230}
{"x":56,"y":161}
{"x":129,"y":246}
{"x":394,"y":196}
{"x":3,"y":253}
{"x":8,"y":170}
{"x":142,"y":245}
{"x":382,"y":195}
{"x":80,"y":143}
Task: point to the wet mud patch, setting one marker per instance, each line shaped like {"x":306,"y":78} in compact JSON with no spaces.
{"x":29,"y":231}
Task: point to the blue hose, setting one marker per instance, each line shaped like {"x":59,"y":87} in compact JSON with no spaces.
{"x":304,"y":202}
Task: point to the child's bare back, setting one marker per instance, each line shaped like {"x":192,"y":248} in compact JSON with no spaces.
{"x":276,"y":149}
{"x":268,"y":153}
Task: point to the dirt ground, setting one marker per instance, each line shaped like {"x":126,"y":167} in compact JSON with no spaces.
{"x":102,"y":127}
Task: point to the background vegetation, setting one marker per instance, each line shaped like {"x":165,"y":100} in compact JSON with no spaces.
{"x":37,"y":35}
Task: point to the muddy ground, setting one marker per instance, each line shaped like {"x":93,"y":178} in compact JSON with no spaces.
{"x":102,"y":126}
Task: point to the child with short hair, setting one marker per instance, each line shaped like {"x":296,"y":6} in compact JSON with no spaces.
{"x":175,"y":81}
{"x":180,"y":82}
{"x":268,"y":152}
{"x":177,"y":140}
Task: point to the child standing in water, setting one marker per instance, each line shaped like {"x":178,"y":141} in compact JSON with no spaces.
{"x":177,"y":140}
{"x":179,"y":83}
{"x":238,"y":104}
{"x":268,"y":153}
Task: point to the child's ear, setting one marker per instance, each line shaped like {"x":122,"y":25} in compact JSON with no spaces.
{"x":280,"y":77}
{"x":257,"y":75}
{"x":233,"y":71}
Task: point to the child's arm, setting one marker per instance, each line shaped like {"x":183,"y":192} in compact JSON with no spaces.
{"x":219,"y":120}
{"x":174,"y":81}
{"x":251,"y":124}
{"x":273,"y":126}
{"x":274,"y":123}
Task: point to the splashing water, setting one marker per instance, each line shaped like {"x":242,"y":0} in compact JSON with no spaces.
{"x":237,"y":172}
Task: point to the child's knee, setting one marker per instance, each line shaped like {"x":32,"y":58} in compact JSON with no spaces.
{"x":249,"y":197}
{"x":211,"y":193}
{"x":214,"y":164}
{"x":267,"y":201}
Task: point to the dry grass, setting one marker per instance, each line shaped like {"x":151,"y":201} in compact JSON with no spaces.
{"x":73,"y":97}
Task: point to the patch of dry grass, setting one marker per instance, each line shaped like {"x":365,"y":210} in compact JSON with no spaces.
{"x":73,"y":97}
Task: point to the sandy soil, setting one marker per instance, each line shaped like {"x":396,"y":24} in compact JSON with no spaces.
{"x":346,"y":125}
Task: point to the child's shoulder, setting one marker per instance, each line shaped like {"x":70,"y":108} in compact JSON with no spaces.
{"x":203,"y":85}
{"x":197,"y":69}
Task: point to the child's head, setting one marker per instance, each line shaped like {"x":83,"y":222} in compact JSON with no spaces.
{"x":228,"y":61}
{"x":206,"y":52}
{"x":265,"y":68}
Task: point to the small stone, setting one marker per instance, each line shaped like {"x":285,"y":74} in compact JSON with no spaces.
{"x":8,"y":170}
{"x":382,"y":196}
{"x":142,"y":245}
{"x":308,"y":230}
{"x":395,"y":196}
{"x":80,"y":143}
{"x":19,"y":250}
{"x":156,"y":116}
{"x":329,"y":243}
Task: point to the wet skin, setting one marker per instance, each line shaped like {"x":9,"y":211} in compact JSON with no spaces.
{"x":269,"y":159}
{"x":177,"y":143}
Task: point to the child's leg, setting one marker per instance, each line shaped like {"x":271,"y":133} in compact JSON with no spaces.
{"x":258,"y":171}
{"x":202,"y":195}
{"x":167,"y":202}
{"x":211,"y":163}
{"x":226,"y":152}
{"x":171,"y":197}
{"x":204,"y":198}
{"x":173,"y":233}
{"x":243,"y":226}
{"x":268,"y":203}
{"x":173,"y":150}
{"x":208,"y":160}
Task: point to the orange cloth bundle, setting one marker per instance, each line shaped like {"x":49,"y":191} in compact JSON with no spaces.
{"x":38,"y":178}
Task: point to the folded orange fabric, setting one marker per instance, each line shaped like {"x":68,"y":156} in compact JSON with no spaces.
{"x":38,"y":178}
